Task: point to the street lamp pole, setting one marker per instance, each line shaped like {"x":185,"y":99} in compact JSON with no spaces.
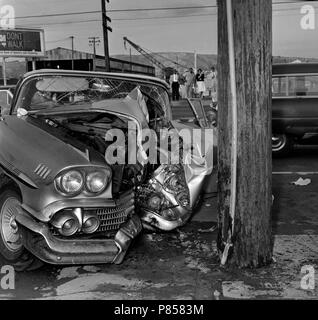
{"x":72,"y":40}
{"x":4,"y":72}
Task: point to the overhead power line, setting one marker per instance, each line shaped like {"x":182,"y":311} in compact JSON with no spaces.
{"x":123,"y":19}
{"x":138,"y":10}
{"x":114,"y":10}
{"x":135,"y":19}
{"x":163,"y":9}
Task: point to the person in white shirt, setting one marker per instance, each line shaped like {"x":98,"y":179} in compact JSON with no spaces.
{"x":189,"y":82}
{"x":175,"y":86}
{"x":212,"y":83}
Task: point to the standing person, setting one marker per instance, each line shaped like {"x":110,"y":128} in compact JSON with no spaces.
{"x":211,"y":81}
{"x":175,"y":86}
{"x":200,"y":83}
{"x":189,"y":82}
{"x":212,"y":84}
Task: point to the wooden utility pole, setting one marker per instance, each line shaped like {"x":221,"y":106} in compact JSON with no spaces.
{"x":106,"y":28}
{"x":94,"y":41}
{"x":244,"y":238}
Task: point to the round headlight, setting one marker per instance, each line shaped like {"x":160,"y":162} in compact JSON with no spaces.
{"x":69,"y":228}
{"x":90,"y":224}
{"x":71,"y":182}
{"x":173,"y":183}
{"x":170,"y":215}
{"x":97,"y":181}
{"x":66,"y":223}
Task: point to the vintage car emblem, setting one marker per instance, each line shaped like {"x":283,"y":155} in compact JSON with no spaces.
{"x":42,"y":171}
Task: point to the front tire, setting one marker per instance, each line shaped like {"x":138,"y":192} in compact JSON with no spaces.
{"x":11,"y":248}
{"x":282,"y":144}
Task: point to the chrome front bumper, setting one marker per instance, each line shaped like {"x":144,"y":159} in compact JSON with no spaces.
{"x":153,"y":220}
{"x":38,"y":239}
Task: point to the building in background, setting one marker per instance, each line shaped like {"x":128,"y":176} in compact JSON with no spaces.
{"x":62,"y":58}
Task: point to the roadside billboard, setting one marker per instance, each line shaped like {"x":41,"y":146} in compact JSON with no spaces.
{"x":22,"y":43}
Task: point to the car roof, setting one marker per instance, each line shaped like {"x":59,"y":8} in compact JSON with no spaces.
{"x":126,"y":76}
{"x":295,"y":68}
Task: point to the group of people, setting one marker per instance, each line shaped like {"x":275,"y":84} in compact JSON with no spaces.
{"x":195,"y":84}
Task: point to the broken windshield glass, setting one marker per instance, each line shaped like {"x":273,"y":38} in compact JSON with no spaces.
{"x":48,"y":92}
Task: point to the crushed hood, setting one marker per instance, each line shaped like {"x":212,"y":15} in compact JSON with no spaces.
{"x":133,"y":106}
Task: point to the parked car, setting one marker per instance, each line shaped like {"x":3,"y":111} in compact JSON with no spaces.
{"x":61,"y":197}
{"x":295,"y":100}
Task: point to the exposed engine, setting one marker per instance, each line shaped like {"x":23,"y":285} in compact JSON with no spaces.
{"x":162,"y":194}
{"x":90,"y":129}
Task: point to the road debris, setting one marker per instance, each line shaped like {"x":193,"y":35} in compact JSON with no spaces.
{"x":302,"y":182}
{"x":212,"y":229}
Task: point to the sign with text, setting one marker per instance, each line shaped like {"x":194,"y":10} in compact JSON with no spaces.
{"x":22,"y":43}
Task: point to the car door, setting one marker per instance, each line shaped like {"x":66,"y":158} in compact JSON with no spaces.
{"x":199,"y":112}
{"x":191,"y":112}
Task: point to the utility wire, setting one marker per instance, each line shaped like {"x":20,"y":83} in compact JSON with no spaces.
{"x":115,"y":10}
{"x":123,"y":19}
{"x":142,"y":18}
{"x":139,"y":10}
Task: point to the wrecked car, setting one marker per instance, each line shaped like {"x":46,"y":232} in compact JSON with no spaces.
{"x":70,"y":191}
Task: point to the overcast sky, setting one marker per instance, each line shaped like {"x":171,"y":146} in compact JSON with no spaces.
{"x":167,"y":30}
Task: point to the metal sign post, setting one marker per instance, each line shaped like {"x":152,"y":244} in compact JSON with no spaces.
{"x":33,"y":64}
{"x":4,"y":72}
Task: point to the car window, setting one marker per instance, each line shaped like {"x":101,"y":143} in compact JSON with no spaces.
{"x":297,"y":86}
{"x":5,"y":99}
{"x":183,"y":112}
{"x":279,"y":87}
{"x":303,"y":85}
{"x":9,"y":98}
{"x":199,"y":112}
{"x":49,"y":92}
{"x":311,"y":85}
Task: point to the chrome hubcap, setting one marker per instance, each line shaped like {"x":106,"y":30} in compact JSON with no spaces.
{"x":278,"y":142}
{"x":9,"y":228}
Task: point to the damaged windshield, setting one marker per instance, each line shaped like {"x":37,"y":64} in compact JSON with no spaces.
{"x":49,"y":92}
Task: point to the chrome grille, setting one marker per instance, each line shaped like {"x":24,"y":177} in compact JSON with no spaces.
{"x":112,"y":218}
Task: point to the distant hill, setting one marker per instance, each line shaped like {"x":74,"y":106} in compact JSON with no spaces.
{"x":184,"y":59}
{"x":15,"y":69}
{"x":204,"y":61}
{"x":280,"y":59}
